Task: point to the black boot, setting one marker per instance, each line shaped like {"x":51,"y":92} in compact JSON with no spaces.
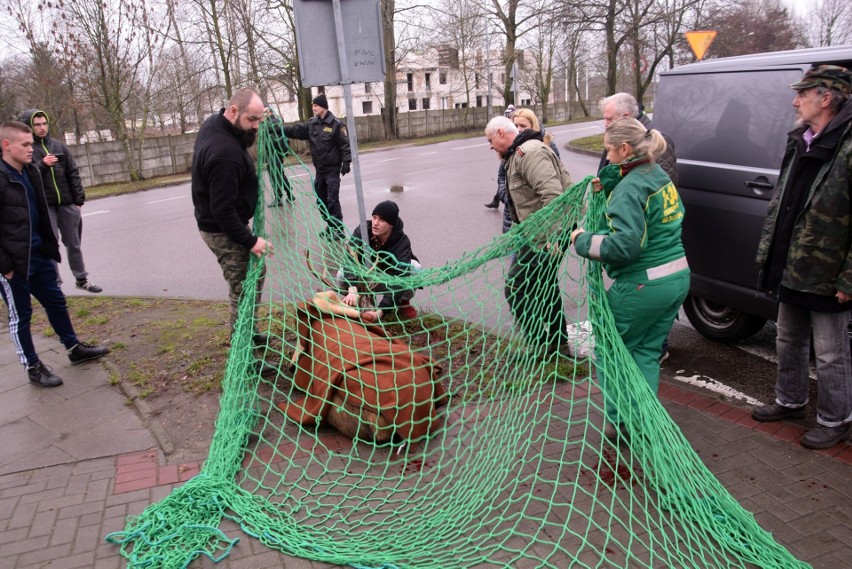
{"x":493,"y":204}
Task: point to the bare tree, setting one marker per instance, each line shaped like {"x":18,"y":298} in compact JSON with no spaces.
{"x":514,"y":18}
{"x":751,"y":26}
{"x":657,"y":28}
{"x":113,"y":42}
{"x":47,"y":82}
{"x":463,"y":27}
{"x":543,"y":45}
{"x":828,"y":23}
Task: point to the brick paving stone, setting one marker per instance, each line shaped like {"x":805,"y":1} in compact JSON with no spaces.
{"x":11,"y":536}
{"x":25,"y":489}
{"x":7,"y":506}
{"x":147,"y":481}
{"x":82,"y":509}
{"x":64,"y":531}
{"x":109,"y":563}
{"x":23,"y":546}
{"x":42,"y":523}
{"x":127,"y":498}
{"x":44,"y":554}
{"x":91,"y":519}
{"x":8,"y":481}
{"x":87,"y":539}
{"x":111,"y":525}
{"x":59,"y":476}
{"x":22,"y":516}
{"x":168,"y":474}
{"x":54,"y":494}
{"x":113,"y":511}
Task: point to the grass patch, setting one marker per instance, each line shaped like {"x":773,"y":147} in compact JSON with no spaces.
{"x":593,"y":143}
{"x":120,"y":188}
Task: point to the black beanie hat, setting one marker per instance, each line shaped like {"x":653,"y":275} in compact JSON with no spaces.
{"x":388,"y":211}
{"x":321,"y":101}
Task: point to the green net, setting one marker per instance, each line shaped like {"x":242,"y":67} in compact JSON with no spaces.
{"x":456,"y":437}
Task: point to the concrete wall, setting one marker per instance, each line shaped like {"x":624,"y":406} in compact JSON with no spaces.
{"x":104,"y":162}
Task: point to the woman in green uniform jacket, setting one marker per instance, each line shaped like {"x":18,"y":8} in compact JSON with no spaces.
{"x":640,"y":247}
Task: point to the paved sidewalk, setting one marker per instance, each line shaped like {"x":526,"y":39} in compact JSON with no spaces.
{"x":77,"y":460}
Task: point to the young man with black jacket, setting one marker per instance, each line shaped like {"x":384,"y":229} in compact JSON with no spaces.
{"x":390,"y":250}
{"x":28,"y":251}
{"x":64,"y":193}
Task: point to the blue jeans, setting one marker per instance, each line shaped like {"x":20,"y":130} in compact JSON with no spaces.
{"x":42,"y":285}
{"x":834,"y":371}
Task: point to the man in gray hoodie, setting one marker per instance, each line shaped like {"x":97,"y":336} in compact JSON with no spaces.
{"x":64,"y":192}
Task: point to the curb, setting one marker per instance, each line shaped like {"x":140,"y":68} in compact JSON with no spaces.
{"x":571,"y":148}
{"x":132,"y":393}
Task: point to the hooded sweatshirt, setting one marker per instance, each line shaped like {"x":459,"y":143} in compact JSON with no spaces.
{"x":62,"y":183}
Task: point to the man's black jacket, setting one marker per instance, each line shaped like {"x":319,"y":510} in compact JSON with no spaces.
{"x":15,"y":236}
{"x":224,"y":181}
{"x":62,"y":183}
{"x":328,"y":140}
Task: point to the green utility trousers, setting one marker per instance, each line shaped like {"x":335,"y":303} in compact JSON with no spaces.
{"x":644,"y":314}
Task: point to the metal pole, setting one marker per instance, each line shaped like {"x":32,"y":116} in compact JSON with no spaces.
{"x":350,"y":121}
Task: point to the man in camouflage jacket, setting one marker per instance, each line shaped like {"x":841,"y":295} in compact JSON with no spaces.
{"x":805,"y":254}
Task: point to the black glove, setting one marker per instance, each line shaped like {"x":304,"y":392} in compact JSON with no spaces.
{"x":344,"y":168}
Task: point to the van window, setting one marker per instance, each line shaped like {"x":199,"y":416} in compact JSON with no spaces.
{"x":729,"y":118}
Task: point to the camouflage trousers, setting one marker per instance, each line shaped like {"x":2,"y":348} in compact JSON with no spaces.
{"x":234,"y":260}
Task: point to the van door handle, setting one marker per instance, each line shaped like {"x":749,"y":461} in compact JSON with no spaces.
{"x":759,"y":184}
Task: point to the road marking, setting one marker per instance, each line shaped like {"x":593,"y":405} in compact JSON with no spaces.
{"x":480,"y":145}
{"x":598,"y":128}
{"x":427,"y":153}
{"x":167,"y":199}
{"x":716,"y":387}
{"x":98,"y":212}
{"x":388,"y":160}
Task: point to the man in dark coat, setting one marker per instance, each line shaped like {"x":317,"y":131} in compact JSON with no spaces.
{"x":331,"y":156}
{"x":64,"y":193}
{"x":28,"y":251}
{"x":225,"y":190}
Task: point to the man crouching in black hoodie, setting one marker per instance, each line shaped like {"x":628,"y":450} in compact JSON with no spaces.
{"x":391,"y":249}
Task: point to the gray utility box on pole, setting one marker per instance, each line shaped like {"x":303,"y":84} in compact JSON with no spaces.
{"x":317,"y":41}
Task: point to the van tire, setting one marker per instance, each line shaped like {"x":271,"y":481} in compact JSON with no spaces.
{"x":719,"y":322}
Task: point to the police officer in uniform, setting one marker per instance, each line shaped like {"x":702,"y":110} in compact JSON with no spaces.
{"x":329,"y":142}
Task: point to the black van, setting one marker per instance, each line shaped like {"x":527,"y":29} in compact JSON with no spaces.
{"x":729,"y":120}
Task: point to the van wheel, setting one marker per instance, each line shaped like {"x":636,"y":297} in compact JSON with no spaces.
{"x":719,"y":322}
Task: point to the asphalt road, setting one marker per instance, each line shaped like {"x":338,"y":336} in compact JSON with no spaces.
{"x":147,"y":244}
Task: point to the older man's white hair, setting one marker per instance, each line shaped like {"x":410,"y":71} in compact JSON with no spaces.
{"x":623,"y":103}
{"x":503,"y":123}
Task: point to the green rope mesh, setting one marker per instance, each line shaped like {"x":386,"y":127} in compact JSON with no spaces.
{"x":506,"y":467}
